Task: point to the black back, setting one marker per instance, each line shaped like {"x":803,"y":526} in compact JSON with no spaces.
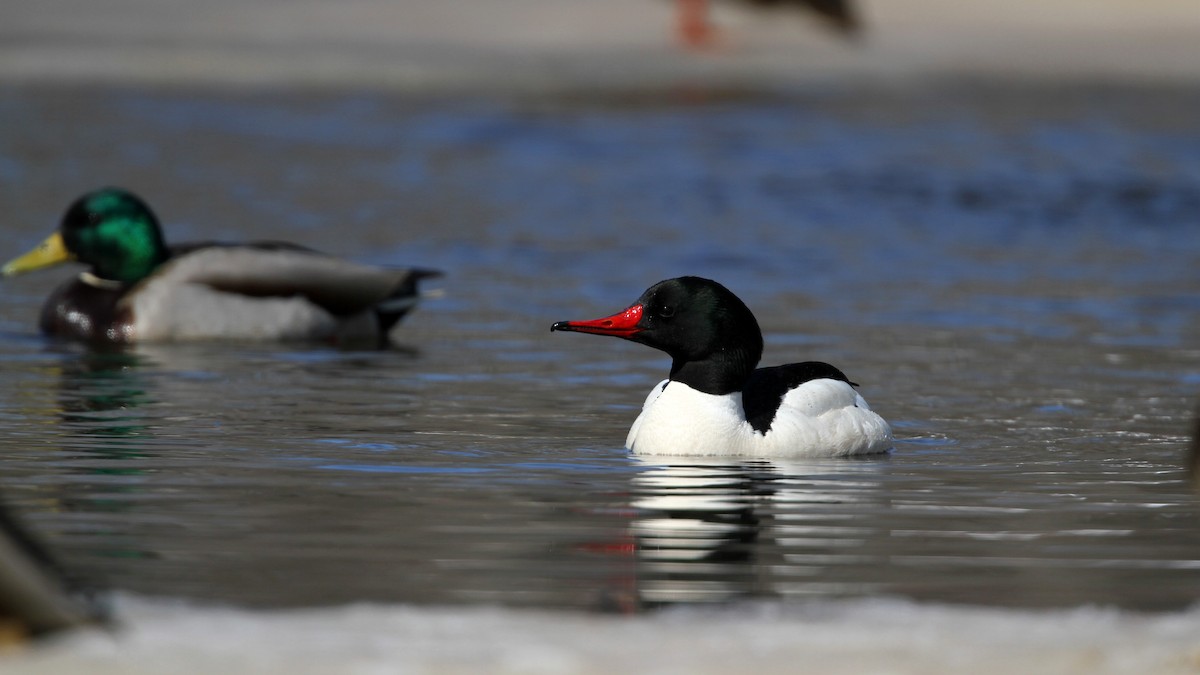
{"x":766,"y":388}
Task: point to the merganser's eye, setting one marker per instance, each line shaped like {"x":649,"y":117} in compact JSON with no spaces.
{"x":666,"y":311}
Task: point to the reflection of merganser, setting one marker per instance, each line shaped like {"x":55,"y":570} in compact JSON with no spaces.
{"x":697,"y":32}
{"x":715,"y":402}
{"x":140,"y":290}
{"x":1194,"y":456}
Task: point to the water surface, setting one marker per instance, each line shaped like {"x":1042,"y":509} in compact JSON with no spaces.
{"x":1009,"y":272}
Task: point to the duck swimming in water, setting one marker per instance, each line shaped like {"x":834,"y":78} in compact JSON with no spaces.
{"x":139,"y":289}
{"x":715,"y":401}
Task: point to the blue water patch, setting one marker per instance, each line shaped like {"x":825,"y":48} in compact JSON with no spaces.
{"x":1012,"y":275}
{"x":574,"y":467}
{"x":393,"y":468}
{"x":359,"y":445}
{"x":1055,"y":408}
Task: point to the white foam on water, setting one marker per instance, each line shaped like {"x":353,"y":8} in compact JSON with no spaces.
{"x":828,"y":637}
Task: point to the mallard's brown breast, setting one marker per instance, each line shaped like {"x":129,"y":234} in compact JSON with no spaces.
{"x":82,"y":311}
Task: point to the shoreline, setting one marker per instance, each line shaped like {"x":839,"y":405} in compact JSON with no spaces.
{"x":548,"y":45}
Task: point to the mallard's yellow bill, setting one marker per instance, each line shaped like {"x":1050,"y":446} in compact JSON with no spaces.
{"x":49,"y":252}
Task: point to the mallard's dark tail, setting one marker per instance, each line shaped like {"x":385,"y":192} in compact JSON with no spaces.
{"x":403,"y":299}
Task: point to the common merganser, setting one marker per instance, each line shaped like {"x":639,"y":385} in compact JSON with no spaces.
{"x":715,"y":401}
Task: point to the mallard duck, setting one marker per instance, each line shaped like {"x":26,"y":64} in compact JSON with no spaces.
{"x":697,"y":32}
{"x":715,"y":401}
{"x":138,"y":289}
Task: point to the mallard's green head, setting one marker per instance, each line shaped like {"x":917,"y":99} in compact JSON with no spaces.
{"x":110,"y":229}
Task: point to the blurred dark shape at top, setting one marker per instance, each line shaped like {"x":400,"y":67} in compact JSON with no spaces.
{"x":839,"y":14}
{"x":697,"y":32}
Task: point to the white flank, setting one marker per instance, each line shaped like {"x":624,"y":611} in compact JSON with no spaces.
{"x":820,"y":418}
{"x":179,"y":302}
{"x":169,"y":312}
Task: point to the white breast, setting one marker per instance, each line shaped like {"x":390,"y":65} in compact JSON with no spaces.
{"x":821,"y":418}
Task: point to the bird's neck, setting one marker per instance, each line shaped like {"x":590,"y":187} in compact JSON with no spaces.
{"x":723,"y":372}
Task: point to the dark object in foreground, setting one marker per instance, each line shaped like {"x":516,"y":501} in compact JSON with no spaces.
{"x":36,"y":597}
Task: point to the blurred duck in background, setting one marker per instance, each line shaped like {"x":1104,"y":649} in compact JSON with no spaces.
{"x":138,"y":289}
{"x":696,"y":31}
